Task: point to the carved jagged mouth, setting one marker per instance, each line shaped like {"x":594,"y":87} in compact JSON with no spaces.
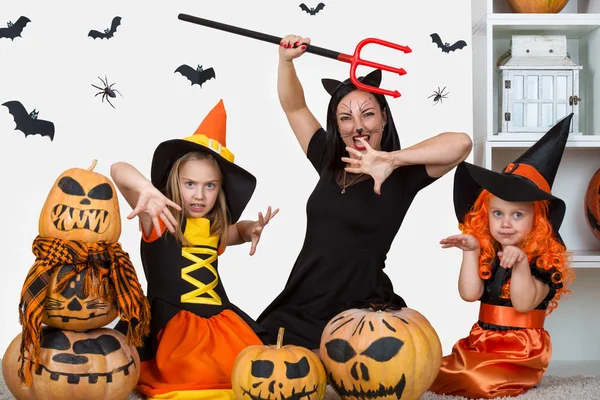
{"x":67,"y":319}
{"x":92,"y":377}
{"x":294,"y":396}
{"x":66,"y":218}
{"x":360,"y":393}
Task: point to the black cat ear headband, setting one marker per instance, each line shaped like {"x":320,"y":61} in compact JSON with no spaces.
{"x":373,"y":78}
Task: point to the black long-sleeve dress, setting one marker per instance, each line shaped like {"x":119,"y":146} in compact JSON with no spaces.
{"x":347,"y":239}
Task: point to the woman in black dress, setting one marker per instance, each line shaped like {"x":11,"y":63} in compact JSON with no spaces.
{"x":365,"y":188}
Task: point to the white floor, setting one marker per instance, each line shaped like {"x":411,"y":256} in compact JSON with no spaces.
{"x":572,"y":368}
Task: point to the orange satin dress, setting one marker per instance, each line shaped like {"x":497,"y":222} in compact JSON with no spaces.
{"x":506,"y":352}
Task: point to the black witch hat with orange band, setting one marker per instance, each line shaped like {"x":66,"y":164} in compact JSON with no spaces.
{"x":238,"y":184}
{"x":528,"y":178}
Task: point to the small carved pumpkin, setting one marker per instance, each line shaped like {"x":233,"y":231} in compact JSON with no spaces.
{"x":71,"y":309}
{"x":82,"y":205}
{"x":380,"y":354}
{"x":278,"y":372}
{"x":96,"y":364}
{"x":592,"y":204}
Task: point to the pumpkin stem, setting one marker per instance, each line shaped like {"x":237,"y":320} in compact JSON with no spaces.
{"x":280,"y":337}
{"x":383,"y":306}
{"x":91,"y":167}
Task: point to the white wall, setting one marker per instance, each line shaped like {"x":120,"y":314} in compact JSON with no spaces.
{"x":53,"y":65}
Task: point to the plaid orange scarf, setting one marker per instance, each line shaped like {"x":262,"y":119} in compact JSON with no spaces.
{"x":108,"y":263}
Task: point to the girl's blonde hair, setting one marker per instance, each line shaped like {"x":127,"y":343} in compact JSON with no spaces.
{"x":218,"y":216}
{"x":540,"y":244}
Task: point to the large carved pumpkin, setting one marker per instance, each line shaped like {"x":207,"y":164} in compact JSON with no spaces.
{"x":82,"y":205}
{"x":71,"y":309}
{"x":592,"y":204}
{"x":380,"y":354}
{"x":96,"y":364}
{"x":278,"y":372}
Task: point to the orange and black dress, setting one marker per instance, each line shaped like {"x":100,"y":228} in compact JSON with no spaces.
{"x":506,"y":352}
{"x":196,"y":331}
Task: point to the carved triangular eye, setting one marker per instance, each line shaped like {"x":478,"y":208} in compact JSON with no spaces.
{"x":383,"y":349}
{"x":55,"y":339}
{"x":103,"y":344}
{"x":340,"y":350}
{"x":101,"y":192}
{"x":262,"y":368}
{"x":297,"y":370}
{"x":70,"y":186}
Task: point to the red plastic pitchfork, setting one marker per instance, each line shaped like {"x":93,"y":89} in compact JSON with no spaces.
{"x":354,"y":60}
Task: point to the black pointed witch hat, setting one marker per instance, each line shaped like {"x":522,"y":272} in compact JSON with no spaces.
{"x":528,"y":178}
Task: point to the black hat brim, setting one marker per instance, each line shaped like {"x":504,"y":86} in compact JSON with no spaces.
{"x":470,"y":179}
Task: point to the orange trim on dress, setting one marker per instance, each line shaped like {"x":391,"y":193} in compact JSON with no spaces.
{"x":529,"y":172}
{"x":508,"y":316}
{"x":153,"y":235}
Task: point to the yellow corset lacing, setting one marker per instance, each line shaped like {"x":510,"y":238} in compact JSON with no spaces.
{"x":195,"y":295}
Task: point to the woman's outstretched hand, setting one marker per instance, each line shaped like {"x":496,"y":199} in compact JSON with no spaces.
{"x":376,"y":163}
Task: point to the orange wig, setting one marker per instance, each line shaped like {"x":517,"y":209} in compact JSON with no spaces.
{"x":540,"y":244}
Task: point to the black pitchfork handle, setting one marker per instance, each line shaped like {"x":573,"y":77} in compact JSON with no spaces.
{"x":320,"y":51}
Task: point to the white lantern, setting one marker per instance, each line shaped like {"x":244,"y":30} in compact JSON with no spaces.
{"x":539,"y":85}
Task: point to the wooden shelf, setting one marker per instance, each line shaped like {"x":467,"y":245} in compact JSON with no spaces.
{"x":524,"y":140}
{"x":574,"y":26}
{"x":585,"y":259}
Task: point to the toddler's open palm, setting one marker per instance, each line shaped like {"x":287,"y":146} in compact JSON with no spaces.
{"x":463,"y":242}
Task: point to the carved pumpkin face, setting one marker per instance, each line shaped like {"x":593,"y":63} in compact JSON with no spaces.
{"x":276,"y":372}
{"x":381,"y":354}
{"x":82,"y":205}
{"x":592,"y":204}
{"x":70,"y":309}
{"x":96,"y":364}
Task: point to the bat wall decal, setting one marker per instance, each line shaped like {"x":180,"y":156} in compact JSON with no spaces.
{"x":447,"y":47}
{"x":28,"y":123}
{"x":311,"y":10}
{"x":196,"y":76}
{"x":14,"y":30}
{"x":108,"y":33}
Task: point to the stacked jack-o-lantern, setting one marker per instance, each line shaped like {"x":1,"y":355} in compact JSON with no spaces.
{"x":380,"y":353}
{"x":64,"y":352}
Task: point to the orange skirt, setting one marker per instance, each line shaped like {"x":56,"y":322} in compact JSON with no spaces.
{"x":196,"y":353}
{"x":489,"y":364}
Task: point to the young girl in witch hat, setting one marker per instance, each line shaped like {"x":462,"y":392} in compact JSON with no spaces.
{"x":188,"y":214}
{"x":515,"y":263}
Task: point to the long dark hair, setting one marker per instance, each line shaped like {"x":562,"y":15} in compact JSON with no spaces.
{"x":336,"y":149}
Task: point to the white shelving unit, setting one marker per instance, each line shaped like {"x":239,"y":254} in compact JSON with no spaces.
{"x":574,"y":324}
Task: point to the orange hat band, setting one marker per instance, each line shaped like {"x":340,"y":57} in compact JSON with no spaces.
{"x":529,"y":172}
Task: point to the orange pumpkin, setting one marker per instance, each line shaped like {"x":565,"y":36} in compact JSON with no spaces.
{"x":96,"y":364}
{"x":71,"y":309}
{"x":592,"y":204}
{"x":82,"y":205}
{"x":278,"y":372}
{"x":380,"y":354}
{"x":537,"y":6}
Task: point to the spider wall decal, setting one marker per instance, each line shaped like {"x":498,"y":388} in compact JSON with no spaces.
{"x":438,"y":95}
{"x":107,"y":91}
